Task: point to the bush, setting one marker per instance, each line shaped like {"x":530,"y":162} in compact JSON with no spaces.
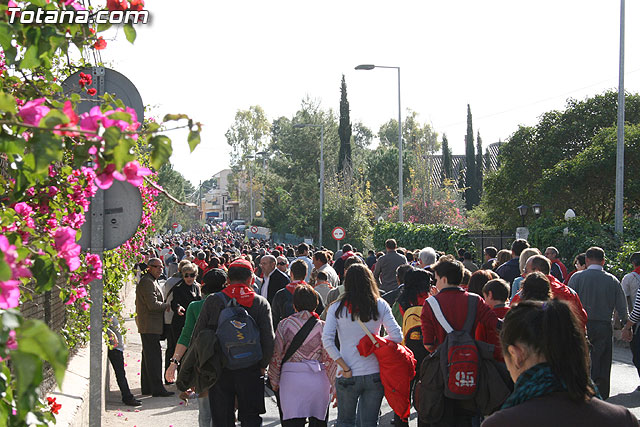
{"x":417,"y":236}
{"x":584,"y":233}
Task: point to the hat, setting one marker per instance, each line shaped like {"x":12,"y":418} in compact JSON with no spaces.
{"x":241,"y":263}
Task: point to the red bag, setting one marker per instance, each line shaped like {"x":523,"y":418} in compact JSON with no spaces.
{"x":397,"y":369}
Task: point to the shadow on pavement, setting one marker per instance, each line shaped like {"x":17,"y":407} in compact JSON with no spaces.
{"x":628,"y":400}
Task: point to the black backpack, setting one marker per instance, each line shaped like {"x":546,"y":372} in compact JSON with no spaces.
{"x":238,"y":335}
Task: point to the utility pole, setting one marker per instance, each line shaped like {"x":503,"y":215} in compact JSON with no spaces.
{"x":619,"y":204}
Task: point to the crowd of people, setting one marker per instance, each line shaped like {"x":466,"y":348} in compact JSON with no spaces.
{"x":548,"y":327}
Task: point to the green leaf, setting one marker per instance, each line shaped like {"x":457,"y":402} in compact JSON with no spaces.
{"x":45,"y":274}
{"x":5,"y":35}
{"x":30,"y":59}
{"x":5,"y":270}
{"x":103,"y":27}
{"x":161,"y":150}
{"x":130,"y":32}
{"x":175,"y":117}
{"x":47,"y":149}
{"x":28,"y":370}
{"x":194,"y":139}
{"x":120,"y":115}
{"x":15,"y":146}
{"x":112,"y":138}
{"x":152,"y":127}
{"x":54,"y":118}
{"x":36,"y":338}
{"x":122,"y":153}
{"x":7,"y":103}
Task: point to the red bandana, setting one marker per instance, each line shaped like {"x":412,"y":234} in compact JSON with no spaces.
{"x":241,"y":292}
{"x":291,"y":287}
{"x":637,"y":270}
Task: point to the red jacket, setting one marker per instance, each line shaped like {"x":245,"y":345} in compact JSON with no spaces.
{"x":562,"y":292}
{"x":492,"y":338}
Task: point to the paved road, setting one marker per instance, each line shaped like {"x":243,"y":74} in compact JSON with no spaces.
{"x":170,"y":411}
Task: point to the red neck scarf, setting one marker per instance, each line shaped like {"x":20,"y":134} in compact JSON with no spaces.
{"x":291,"y":287}
{"x":637,"y":270}
{"x":241,"y":292}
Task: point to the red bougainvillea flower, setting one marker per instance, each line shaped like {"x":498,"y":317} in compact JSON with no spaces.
{"x":100,"y":43}
{"x":105,"y":178}
{"x":53,"y":406}
{"x":117,"y":5}
{"x":33,"y":111}
{"x":92,"y":91}
{"x":137,"y":4}
{"x":134,"y":173}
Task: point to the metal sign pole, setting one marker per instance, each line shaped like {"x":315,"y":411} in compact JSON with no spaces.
{"x":96,"y":294}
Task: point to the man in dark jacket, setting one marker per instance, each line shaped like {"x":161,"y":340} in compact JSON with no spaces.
{"x":150,"y":307}
{"x":511,"y":269}
{"x":385,"y":270}
{"x":272,"y":279}
{"x":282,"y":305}
{"x":246,"y":384}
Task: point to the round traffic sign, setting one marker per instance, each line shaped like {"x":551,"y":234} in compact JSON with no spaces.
{"x":174,"y":225}
{"x":254,"y":229}
{"x":338,"y":233}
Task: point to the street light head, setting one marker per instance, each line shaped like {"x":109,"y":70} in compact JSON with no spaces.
{"x":537,"y":209}
{"x":365,"y":67}
{"x":522,"y":209}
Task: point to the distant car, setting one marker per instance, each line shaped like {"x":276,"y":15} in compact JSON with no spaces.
{"x":240,"y":228}
{"x":236,"y":223}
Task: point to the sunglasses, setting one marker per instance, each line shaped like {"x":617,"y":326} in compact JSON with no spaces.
{"x":282,"y":263}
{"x":190,"y":275}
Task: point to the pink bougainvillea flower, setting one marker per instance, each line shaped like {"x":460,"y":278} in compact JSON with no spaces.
{"x":93,"y":150}
{"x":65,"y":244}
{"x":91,"y":121}
{"x":9,"y":294}
{"x":33,"y":111}
{"x":106,"y":177}
{"x":23,"y":209}
{"x":73,"y":120}
{"x":135,"y":173}
{"x":12,"y":344}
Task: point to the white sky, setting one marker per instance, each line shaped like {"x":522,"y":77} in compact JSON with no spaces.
{"x":510,"y":60}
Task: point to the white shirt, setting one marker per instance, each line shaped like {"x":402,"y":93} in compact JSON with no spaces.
{"x":264,"y":291}
{"x":630,"y":283}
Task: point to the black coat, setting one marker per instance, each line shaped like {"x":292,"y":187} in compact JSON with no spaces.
{"x":277,"y":281}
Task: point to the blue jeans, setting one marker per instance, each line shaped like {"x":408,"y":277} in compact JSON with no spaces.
{"x":204,"y":412}
{"x":364,"y":392}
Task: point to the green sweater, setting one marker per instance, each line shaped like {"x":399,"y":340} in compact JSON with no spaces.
{"x":191,"y":317}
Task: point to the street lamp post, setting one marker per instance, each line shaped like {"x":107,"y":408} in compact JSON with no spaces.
{"x":304,"y":125}
{"x":400,"y":184}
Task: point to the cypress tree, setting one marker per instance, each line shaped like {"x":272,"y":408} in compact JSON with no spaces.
{"x":470,"y":194}
{"x":447,"y":168}
{"x":479,"y":167}
{"x":344,"y":130}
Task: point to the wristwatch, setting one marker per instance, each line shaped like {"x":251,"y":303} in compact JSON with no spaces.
{"x":175,"y":361}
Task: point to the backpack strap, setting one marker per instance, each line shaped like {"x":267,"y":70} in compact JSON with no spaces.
{"x":299,"y":338}
{"x":228,"y":302}
{"x":472,"y":307}
{"x":435,"y":307}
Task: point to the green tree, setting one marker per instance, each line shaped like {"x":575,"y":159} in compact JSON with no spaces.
{"x":447,"y":167}
{"x":479,"y":166}
{"x":344,"y":131}
{"x":248,"y":135}
{"x":470,"y":194}
{"x":532,"y":150}
{"x":180,"y":188}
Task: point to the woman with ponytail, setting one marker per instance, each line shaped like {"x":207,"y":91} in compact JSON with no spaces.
{"x":546,"y":353}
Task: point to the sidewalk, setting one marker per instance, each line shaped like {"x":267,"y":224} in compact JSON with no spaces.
{"x":155,"y":411}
